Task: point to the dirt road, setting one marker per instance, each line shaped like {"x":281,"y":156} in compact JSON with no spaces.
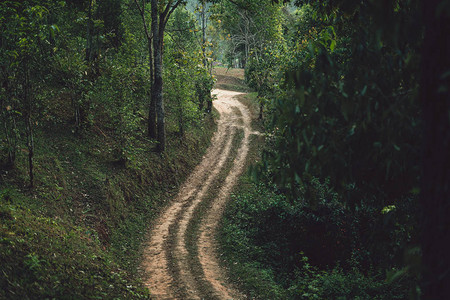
{"x":180,"y":258}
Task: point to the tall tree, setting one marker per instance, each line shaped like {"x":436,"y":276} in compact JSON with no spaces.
{"x":160,"y":12}
{"x":203,"y":24}
{"x":152,"y":103}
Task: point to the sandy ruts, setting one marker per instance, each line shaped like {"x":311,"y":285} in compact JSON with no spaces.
{"x":166,"y":264}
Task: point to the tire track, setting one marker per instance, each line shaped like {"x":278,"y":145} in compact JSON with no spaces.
{"x":155,"y":263}
{"x":181,"y":254}
{"x":206,"y":243}
{"x":166,"y":260}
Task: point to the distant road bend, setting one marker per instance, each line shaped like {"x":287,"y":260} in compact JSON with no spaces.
{"x":173,"y":269}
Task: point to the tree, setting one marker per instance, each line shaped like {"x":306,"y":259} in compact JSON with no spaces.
{"x":203,"y":25}
{"x":25,"y":47}
{"x":249,"y":25}
{"x":159,"y":22}
{"x":151,"y":125}
{"x":160,"y":14}
{"x":346,"y":111}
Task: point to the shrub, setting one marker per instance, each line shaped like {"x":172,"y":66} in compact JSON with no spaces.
{"x":315,"y":249}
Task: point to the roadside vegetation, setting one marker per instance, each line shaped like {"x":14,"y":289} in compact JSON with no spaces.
{"x":106,"y":107}
{"x":336,"y":205}
{"x":80,"y":176}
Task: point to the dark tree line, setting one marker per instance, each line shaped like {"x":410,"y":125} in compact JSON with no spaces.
{"x":356,"y":101}
{"x":435,"y":194}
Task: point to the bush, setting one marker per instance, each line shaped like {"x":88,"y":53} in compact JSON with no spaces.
{"x":315,"y":249}
{"x":311,"y":283}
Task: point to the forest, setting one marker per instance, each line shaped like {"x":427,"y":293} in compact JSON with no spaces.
{"x":302,"y":146}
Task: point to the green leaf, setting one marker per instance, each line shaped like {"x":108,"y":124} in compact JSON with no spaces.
{"x":415,"y":191}
{"x":364,"y":90}
{"x":394,"y":275}
{"x":333,"y":45}
{"x":388,"y":208}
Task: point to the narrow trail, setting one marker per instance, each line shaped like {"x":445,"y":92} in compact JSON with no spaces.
{"x":171,"y":272}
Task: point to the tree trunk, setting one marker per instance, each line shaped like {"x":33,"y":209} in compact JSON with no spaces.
{"x":76,"y":109}
{"x":203,"y":14}
{"x":30,"y":146}
{"x":180,"y":118}
{"x":152,"y":106}
{"x":89,"y":32}
{"x":435,"y":192}
{"x":209,"y":108}
{"x":151,"y":126}
{"x":11,"y":141}
{"x":29,"y":124}
{"x":261,"y":110}
{"x":157,"y":30}
{"x":7,"y":117}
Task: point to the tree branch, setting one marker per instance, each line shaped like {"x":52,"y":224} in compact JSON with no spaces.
{"x":142,"y":13}
{"x":169,"y":10}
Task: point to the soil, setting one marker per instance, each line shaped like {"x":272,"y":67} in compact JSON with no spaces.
{"x":175,"y":270}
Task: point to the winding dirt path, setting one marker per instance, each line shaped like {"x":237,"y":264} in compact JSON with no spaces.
{"x":174,"y":269}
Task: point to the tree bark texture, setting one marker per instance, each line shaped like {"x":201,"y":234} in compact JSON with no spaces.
{"x":152,"y":104}
{"x":89,"y":32}
{"x":203,"y":15}
{"x":28,"y":122}
{"x":157,"y":33}
{"x":435,"y":194}
{"x":151,"y":125}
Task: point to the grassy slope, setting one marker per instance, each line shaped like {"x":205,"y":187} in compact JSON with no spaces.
{"x":82,"y":225}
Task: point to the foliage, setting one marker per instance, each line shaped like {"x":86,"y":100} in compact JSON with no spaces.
{"x":343,"y":147}
{"x":336,"y":284}
{"x":249,"y":26}
{"x":27,"y":36}
{"x":336,"y":107}
{"x":190,"y":82}
{"x":283,"y":250}
{"x":263,"y":73}
{"x":74,"y":96}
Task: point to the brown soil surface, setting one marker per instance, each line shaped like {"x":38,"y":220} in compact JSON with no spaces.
{"x":171,"y":273}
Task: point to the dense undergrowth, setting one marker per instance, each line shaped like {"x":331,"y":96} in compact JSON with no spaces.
{"x":78,"y":233}
{"x":46,"y":257}
{"x":80,"y":177}
{"x":332,"y":210}
{"x":315,"y":245}
{"x":277,"y":249}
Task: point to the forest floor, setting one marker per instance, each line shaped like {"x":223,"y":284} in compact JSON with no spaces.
{"x":180,"y":259}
